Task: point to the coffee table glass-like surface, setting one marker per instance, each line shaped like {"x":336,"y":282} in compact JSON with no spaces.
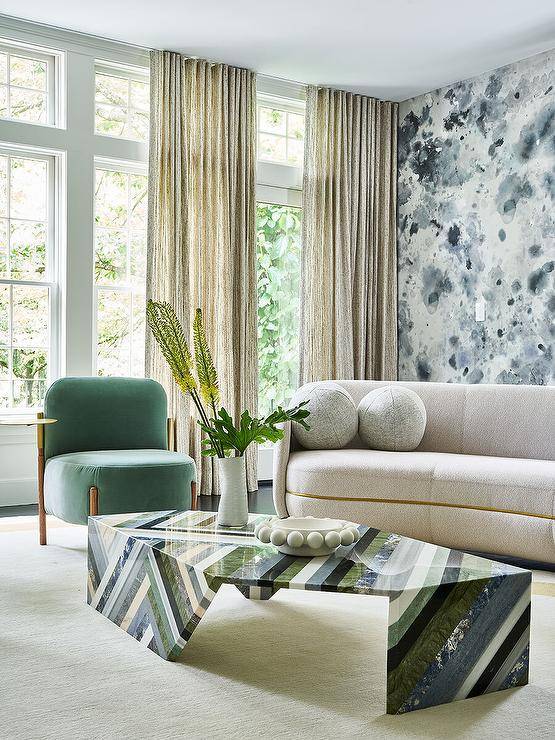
{"x":458,"y":624}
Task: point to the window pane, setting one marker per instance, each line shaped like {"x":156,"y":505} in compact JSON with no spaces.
{"x":30,"y":316}
{"x":25,"y":72}
{"x":138,"y":259}
{"x":3,"y":186}
{"x":28,"y":105}
{"x":28,"y":192}
{"x":3,"y":68}
{"x":27,"y":250}
{"x":140,"y":95}
{"x":138,"y":125}
{"x":4,"y":314}
{"x":112,"y":90}
{"x":138,"y":353}
{"x":4,"y":354}
{"x":30,"y":364}
{"x":113,"y":332}
{"x":4,"y":113}
{"x":295,"y":126}
{"x":295,"y":151}
{"x":3,"y":248}
{"x":111,"y":198}
{"x":273,"y":121}
{"x":109,"y":120}
{"x":110,"y":261}
{"x":27,"y":394}
{"x":5,"y":402}
{"x":278,"y":268}
{"x":272,"y":148}
{"x":139,"y":201}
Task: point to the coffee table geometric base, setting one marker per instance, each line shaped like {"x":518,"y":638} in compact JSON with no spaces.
{"x":458,"y":624}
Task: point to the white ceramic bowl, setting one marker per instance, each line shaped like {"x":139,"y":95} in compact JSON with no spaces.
{"x":307,"y":535}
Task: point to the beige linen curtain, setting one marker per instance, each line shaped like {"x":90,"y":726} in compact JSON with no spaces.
{"x":201,"y":234}
{"x":348,"y":318}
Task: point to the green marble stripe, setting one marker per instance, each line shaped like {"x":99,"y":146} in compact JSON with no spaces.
{"x":427,"y":589}
{"x":159,"y":609}
{"x":289,"y":573}
{"x":402,"y":680}
{"x":173,"y":575}
{"x":236,"y":560}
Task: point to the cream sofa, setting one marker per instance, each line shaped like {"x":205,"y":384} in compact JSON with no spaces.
{"x":482,"y":479}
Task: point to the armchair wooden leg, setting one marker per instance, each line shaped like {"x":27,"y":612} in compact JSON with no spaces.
{"x":193,"y":495}
{"x":93,"y":501}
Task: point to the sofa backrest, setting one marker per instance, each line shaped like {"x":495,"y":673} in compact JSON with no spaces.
{"x":498,"y":420}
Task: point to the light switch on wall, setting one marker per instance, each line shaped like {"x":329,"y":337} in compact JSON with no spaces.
{"x":480,"y":309}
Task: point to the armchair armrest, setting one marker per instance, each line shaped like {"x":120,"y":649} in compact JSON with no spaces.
{"x":280,"y":461}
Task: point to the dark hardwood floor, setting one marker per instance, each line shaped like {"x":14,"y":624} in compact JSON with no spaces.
{"x":260,"y":502}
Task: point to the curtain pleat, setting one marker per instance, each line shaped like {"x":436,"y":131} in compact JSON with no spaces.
{"x":348,"y":324}
{"x":201,"y":234}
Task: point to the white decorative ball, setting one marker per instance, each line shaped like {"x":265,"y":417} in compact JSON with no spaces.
{"x":392,"y":418}
{"x":347,"y":537}
{"x":333,"y":539}
{"x":264,"y":534}
{"x":356,"y":533}
{"x":315,"y":540}
{"x":295,"y":539}
{"x":333,"y":419}
{"x":277,"y":537}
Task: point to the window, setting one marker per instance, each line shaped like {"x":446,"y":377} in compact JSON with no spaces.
{"x":279,"y":217}
{"x":120,"y":269}
{"x":280,"y":133}
{"x":121,"y":102}
{"x":27,"y":84}
{"x":27,"y":272}
{"x":278,"y":260}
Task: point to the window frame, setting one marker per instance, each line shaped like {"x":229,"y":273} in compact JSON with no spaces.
{"x":55,"y":66}
{"x":128,"y":72}
{"x":130,"y":168}
{"x":55,"y":235}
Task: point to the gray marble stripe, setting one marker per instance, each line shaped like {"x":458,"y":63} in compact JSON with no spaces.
{"x":501,"y":676}
{"x":475,"y":631}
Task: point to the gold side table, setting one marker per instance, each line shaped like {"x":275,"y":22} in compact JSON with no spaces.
{"x":39,"y":421}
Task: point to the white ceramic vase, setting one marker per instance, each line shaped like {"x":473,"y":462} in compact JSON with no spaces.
{"x":233,"y":508}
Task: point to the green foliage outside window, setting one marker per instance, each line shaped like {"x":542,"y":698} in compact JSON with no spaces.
{"x":278,"y":268}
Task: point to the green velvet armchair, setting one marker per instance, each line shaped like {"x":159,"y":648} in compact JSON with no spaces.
{"x":108,"y":452}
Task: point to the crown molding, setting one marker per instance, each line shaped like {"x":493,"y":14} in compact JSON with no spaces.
{"x":80,"y":43}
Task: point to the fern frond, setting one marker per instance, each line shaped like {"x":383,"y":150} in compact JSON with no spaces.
{"x":169,"y":335}
{"x":206,"y":372}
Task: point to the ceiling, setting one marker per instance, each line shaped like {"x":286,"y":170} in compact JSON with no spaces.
{"x":391,"y":49}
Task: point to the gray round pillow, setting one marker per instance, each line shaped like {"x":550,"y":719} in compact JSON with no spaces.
{"x":392,"y":418}
{"x":333,"y":419}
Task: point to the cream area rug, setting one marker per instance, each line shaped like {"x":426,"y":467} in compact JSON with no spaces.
{"x":303,"y":665}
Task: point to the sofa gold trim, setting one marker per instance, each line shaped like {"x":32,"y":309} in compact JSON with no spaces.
{"x":420,"y":503}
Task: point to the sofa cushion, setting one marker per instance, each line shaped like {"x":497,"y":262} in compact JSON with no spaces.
{"x":391,"y":418}
{"x":333,"y":419}
{"x":509,"y":484}
{"x":127,"y":481}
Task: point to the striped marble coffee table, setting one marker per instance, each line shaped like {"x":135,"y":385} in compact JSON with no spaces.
{"x":458,"y":624}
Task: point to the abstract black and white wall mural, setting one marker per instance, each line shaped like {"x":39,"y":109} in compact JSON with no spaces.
{"x":476,"y":229}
